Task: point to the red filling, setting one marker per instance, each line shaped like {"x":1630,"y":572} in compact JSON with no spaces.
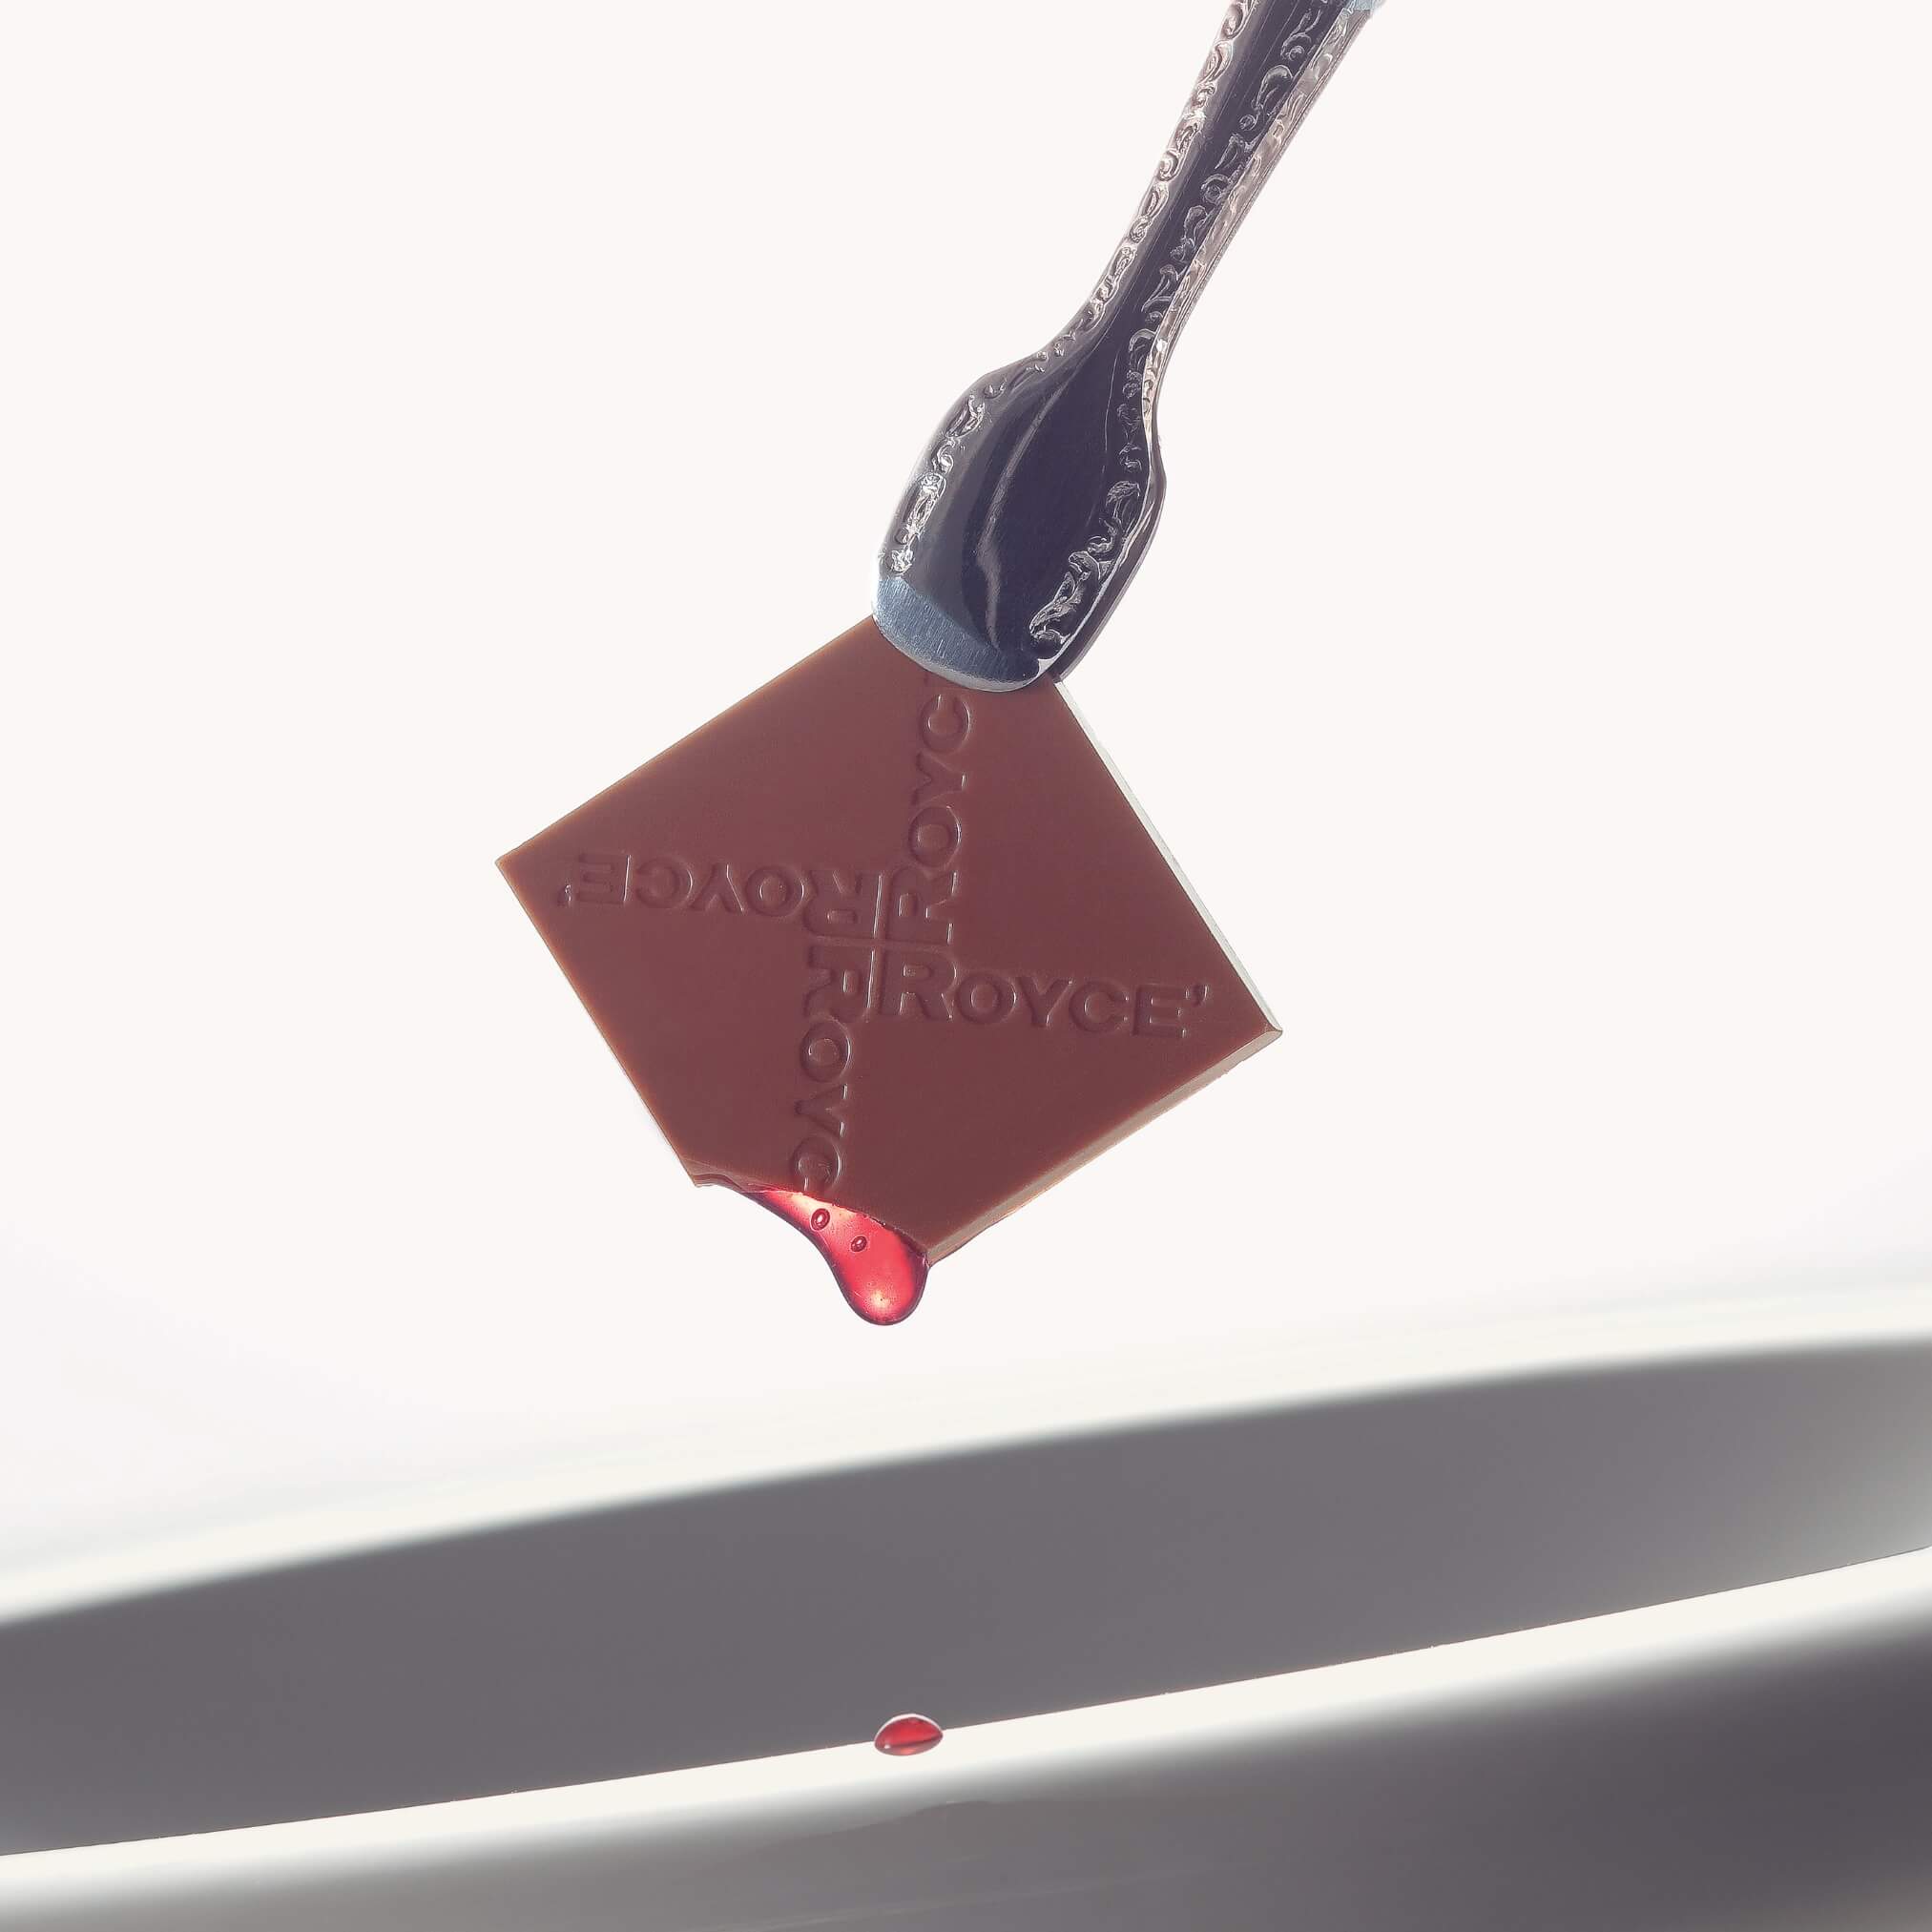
{"x":908,"y":1737}
{"x":880,"y":1273}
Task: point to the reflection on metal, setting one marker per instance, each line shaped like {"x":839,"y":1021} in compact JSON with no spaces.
{"x":1037,"y":496}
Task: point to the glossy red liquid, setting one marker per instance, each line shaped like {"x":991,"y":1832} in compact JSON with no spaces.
{"x":880,"y":1273}
{"x":908,"y":1737}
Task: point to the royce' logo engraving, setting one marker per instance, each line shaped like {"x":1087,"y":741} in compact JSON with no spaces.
{"x":879,"y":942}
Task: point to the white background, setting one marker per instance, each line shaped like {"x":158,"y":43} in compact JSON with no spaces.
{"x":413,"y":416}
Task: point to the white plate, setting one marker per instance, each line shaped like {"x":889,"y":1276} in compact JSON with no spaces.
{"x":1591,"y":1627}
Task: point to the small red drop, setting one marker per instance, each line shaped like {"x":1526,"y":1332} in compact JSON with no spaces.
{"x":880,"y":1273}
{"x":908,"y":1737}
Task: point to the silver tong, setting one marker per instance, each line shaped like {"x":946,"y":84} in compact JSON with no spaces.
{"x":1038,"y":495}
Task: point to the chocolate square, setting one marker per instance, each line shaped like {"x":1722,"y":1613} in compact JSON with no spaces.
{"x":900,"y":947}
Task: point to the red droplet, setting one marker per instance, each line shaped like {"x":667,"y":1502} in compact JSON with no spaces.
{"x":908,"y":1737}
{"x":880,"y":1273}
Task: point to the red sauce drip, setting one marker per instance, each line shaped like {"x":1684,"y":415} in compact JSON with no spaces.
{"x":908,"y":1737}
{"x":880,"y":1273}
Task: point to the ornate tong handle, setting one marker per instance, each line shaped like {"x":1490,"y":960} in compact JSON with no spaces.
{"x":1038,"y":495}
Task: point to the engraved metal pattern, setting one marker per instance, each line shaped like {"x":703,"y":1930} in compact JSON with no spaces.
{"x":1277,"y":106}
{"x":972,"y":412}
{"x":1244,"y":192}
{"x":931,"y":485}
{"x":1041,"y":488}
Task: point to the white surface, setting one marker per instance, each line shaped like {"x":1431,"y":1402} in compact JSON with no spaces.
{"x":1434,"y":1787}
{"x":416,"y":415}
{"x":1759,"y":1757}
